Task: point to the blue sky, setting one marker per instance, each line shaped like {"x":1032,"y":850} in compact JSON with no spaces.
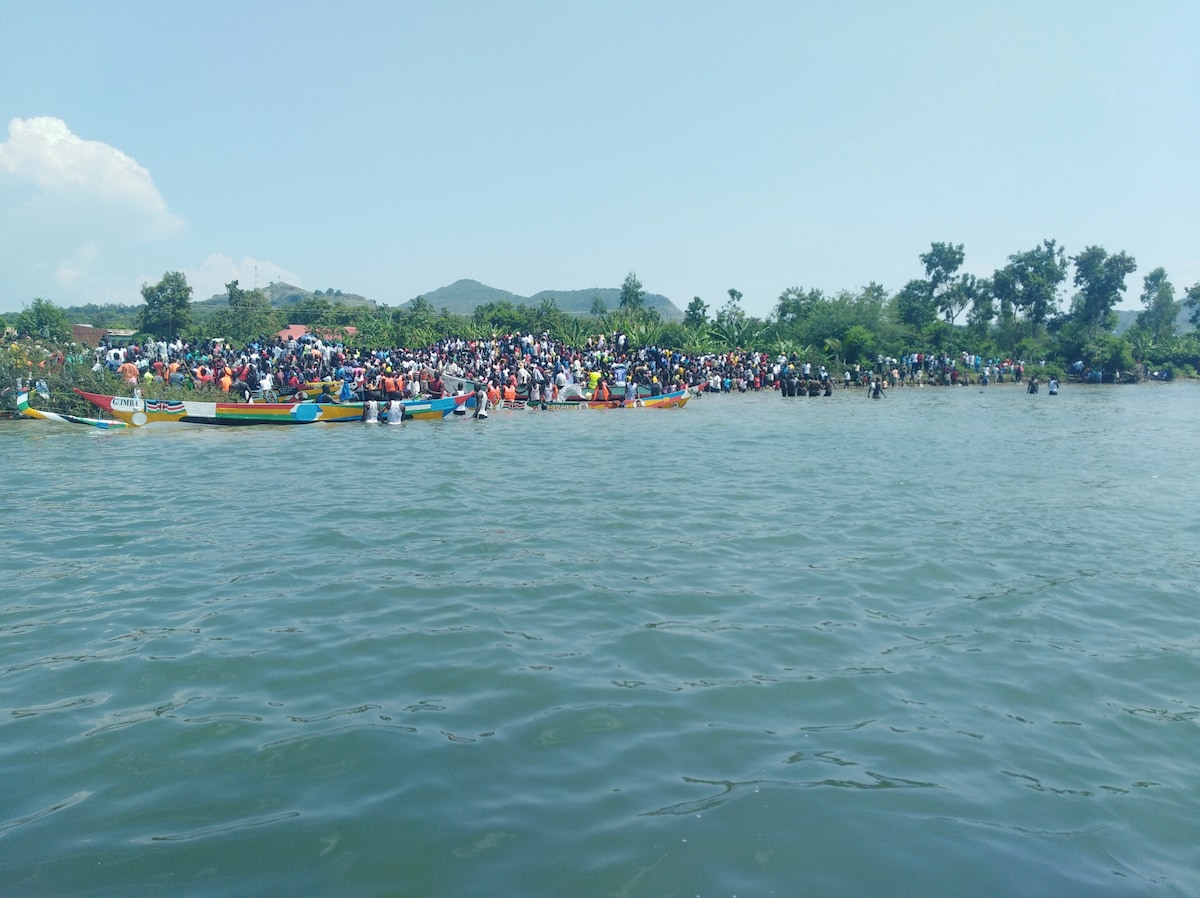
{"x":391,"y":148}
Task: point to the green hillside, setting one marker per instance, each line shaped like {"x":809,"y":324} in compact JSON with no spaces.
{"x":464,"y":296}
{"x":283,"y":296}
{"x":1127,"y":318}
{"x":581,"y":301}
{"x":460,"y":298}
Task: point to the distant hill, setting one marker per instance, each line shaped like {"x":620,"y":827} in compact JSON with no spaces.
{"x":462,"y":297}
{"x":581,"y":301}
{"x":283,"y":296}
{"x":465,"y":296}
{"x":1127,"y":318}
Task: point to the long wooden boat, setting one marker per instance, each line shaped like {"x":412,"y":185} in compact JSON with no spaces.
{"x":616,"y":391}
{"x":435,"y":409}
{"x":675,"y":399}
{"x":139,"y":412}
{"x":313,"y":388}
{"x":395,"y":410}
{"x":28,"y":411}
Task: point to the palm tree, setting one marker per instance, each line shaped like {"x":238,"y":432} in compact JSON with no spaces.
{"x":643,"y":332}
{"x":1141,"y":344}
{"x":735,"y":333}
{"x":698,"y":341}
{"x":573,"y":331}
{"x":833,"y":346}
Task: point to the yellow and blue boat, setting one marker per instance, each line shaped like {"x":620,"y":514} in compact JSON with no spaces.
{"x":139,"y":412}
{"x":28,"y":411}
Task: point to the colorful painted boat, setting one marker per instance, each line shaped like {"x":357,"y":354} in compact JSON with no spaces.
{"x":676,"y":399}
{"x":436,"y":409}
{"x":616,"y":391}
{"x":28,"y":411}
{"x":139,"y":412}
{"x":313,"y":388}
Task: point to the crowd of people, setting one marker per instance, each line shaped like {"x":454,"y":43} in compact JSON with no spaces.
{"x":516,"y":365}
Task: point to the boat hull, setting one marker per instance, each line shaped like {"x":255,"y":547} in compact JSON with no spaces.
{"x":62,"y":418}
{"x":677,"y":399}
{"x":617,"y":392}
{"x":139,"y":412}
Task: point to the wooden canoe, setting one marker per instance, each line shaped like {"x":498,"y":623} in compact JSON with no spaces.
{"x":28,"y":411}
{"x":139,"y":412}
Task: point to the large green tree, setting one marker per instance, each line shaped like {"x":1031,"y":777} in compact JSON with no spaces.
{"x":372,"y":328}
{"x":248,"y":317}
{"x":547,"y":316}
{"x":829,"y":318}
{"x":1100,"y":278}
{"x":633,"y":296}
{"x":1161,"y":309}
{"x":168,"y":309}
{"x":941,"y":266}
{"x":858,"y":346}
{"x":1192,"y":301}
{"x":696,"y":314}
{"x":915,"y":305}
{"x":43,"y":320}
{"x":501,"y":317}
{"x":979,"y":295}
{"x":1030,"y":282}
{"x":796,"y":306}
{"x":732,"y":312}
{"x":312,"y":310}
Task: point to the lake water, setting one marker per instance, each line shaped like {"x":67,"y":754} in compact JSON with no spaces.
{"x":940,"y":644}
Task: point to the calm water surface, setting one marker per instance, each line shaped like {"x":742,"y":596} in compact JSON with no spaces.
{"x":940,"y":644}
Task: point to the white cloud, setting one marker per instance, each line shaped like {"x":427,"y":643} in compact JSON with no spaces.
{"x":75,"y":216}
{"x":218,"y":270}
{"x":85,"y":176}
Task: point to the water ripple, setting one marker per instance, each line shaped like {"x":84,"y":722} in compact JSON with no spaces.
{"x":923,"y":654}
{"x":224,"y":828}
{"x":45,"y":812}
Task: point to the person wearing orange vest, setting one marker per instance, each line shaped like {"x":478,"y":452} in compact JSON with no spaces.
{"x":601,"y":392}
{"x":493,"y":393}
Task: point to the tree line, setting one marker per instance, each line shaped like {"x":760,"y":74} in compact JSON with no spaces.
{"x":1042,"y":305}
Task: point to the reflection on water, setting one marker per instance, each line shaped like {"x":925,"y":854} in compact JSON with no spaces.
{"x":753,"y":646}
